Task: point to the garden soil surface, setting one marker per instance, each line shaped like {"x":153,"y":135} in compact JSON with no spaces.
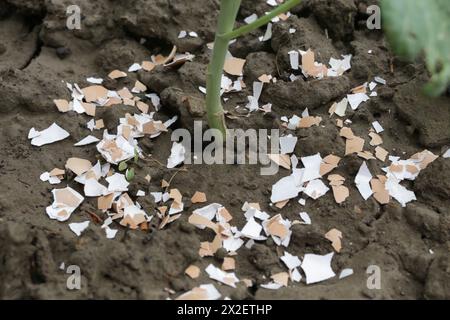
{"x":37,"y":53}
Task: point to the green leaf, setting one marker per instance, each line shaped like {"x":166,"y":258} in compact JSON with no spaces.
{"x":123,"y":165}
{"x":130,"y":174}
{"x":421,"y":26}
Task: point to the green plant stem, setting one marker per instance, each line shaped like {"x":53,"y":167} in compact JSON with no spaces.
{"x":227,"y":17}
{"x":288,"y":5}
{"x":224,"y":34}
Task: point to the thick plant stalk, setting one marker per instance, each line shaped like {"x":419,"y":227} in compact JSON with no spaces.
{"x":224,"y":34}
{"x":227,"y":17}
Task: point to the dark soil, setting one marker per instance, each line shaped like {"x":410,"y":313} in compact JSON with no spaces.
{"x":37,"y":52}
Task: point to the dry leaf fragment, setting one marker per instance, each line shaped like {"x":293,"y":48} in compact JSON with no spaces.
{"x":193,"y":271}
{"x":335,"y":236}
{"x":198,"y":197}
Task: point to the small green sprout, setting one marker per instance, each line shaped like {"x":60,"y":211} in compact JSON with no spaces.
{"x":123,"y":166}
{"x":129,"y":174}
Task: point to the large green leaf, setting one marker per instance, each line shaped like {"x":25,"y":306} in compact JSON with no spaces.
{"x":421,"y":26}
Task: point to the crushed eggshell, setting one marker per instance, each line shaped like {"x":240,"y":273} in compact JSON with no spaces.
{"x":335,"y":236}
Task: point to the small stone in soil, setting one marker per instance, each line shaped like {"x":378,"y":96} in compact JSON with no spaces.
{"x":63,"y":52}
{"x":2,"y":49}
{"x":221,"y":254}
